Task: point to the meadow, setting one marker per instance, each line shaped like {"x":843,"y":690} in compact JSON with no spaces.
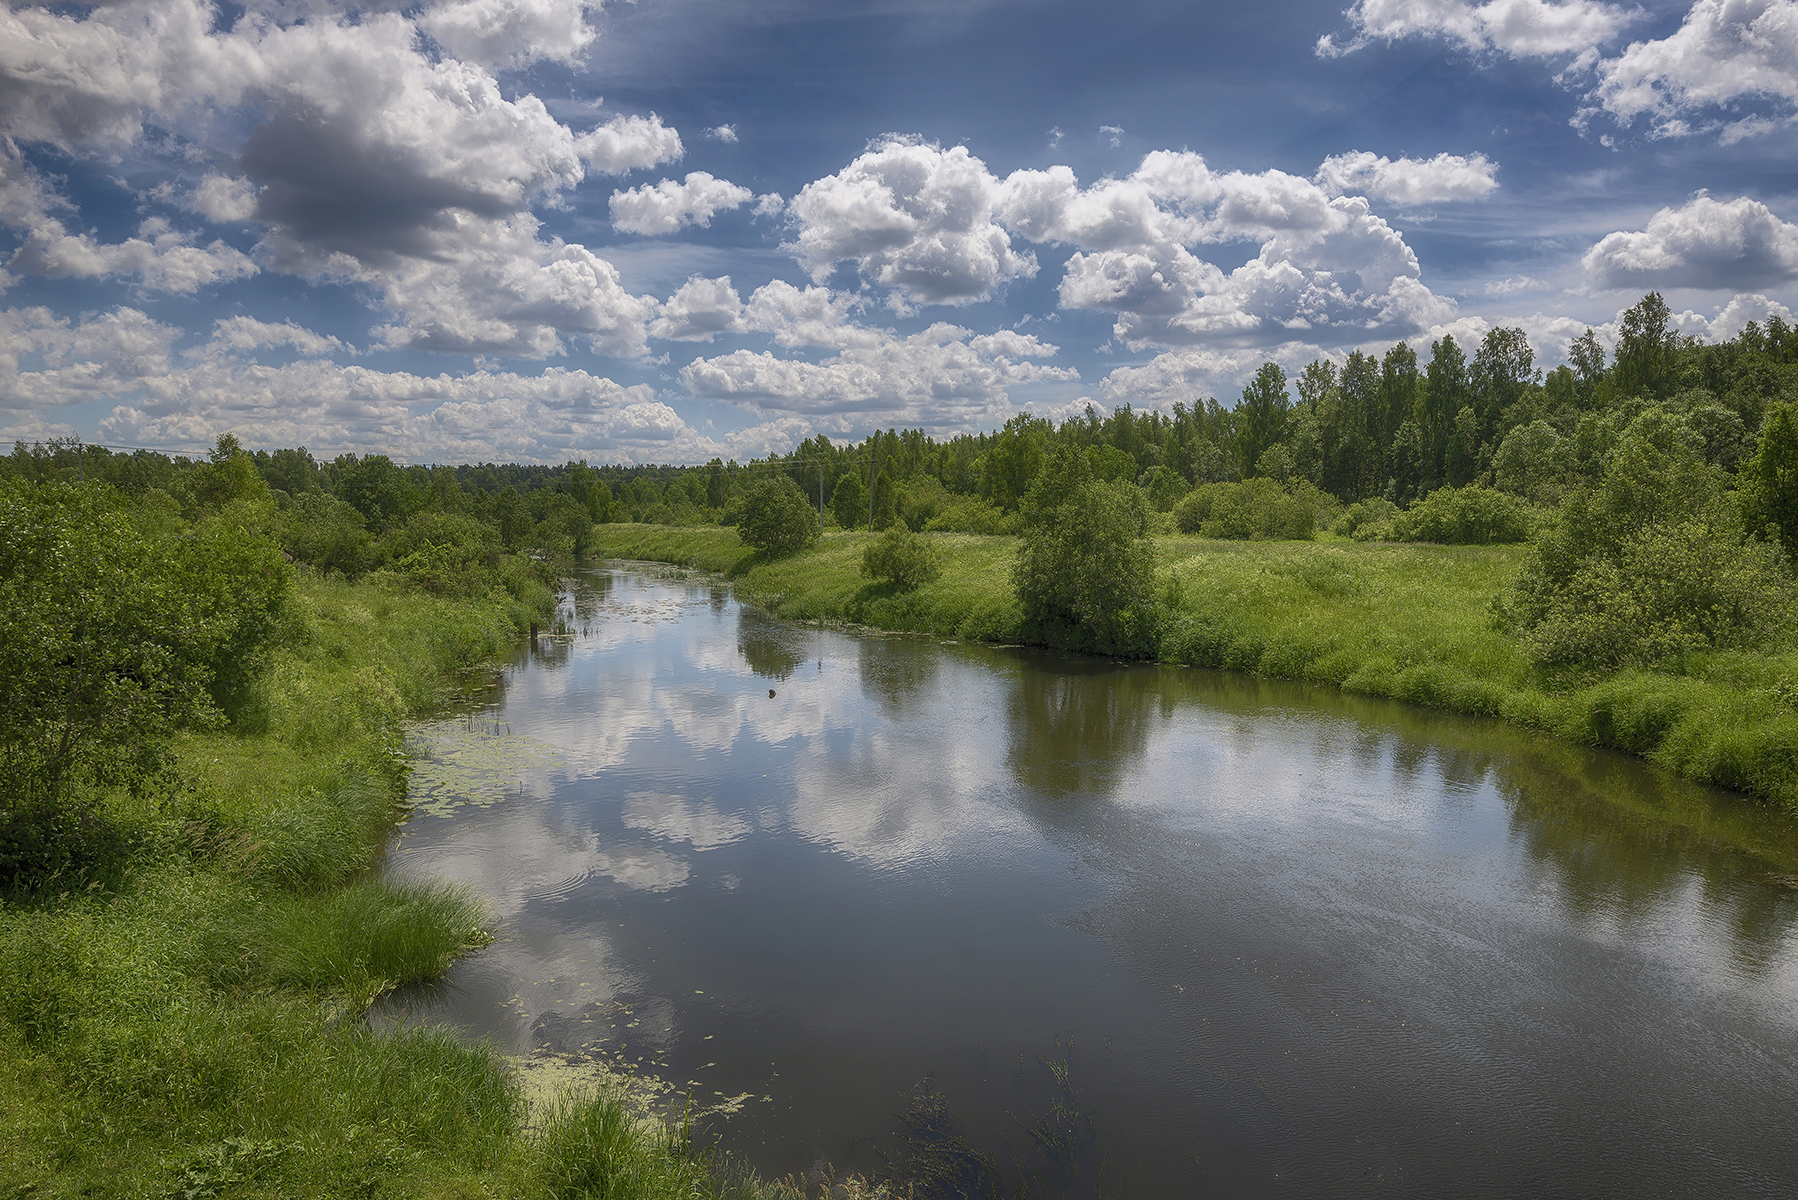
{"x":1410,"y":622}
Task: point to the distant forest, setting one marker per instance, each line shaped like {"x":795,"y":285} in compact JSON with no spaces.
{"x":1391,"y":428}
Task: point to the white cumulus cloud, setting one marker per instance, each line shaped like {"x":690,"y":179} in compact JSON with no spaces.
{"x":511,"y":33}
{"x":1725,"y":50}
{"x":1409,"y":181}
{"x":914,"y":218}
{"x":1327,"y":265}
{"x":629,"y":143}
{"x":943,"y":378}
{"x":700,"y":310}
{"x":667,"y":207}
{"x":1705,"y":243}
{"x":1522,"y":28}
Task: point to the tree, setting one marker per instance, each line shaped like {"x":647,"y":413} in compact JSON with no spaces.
{"x":1085,"y":567}
{"x":1013,"y":460}
{"x":1648,"y":562}
{"x":1445,"y":395}
{"x":1264,"y":408}
{"x":115,"y":631}
{"x":1647,"y":349}
{"x":1769,"y":480}
{"x":776,"y":518}
{"x":849,"y":503}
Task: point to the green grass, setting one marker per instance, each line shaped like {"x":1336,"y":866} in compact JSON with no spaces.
{"x":1407,"y":622}
{"x":192,"y":1025}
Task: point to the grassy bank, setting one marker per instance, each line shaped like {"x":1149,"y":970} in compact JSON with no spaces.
{"x":190,"y":1023}
{"x":1409,"y":622}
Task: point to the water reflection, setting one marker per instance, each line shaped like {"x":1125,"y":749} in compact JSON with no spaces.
{"x":1307,"y":941}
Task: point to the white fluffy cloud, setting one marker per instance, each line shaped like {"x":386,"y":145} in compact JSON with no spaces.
{"x":811,"y":316}
{"x":372,"y":161}
{"x":914,"y":218}
{"x":1523,"y":28}
{"x":1409,"y":181}
{"x":1725,"y":50}
{"x":699,"y":310}
{"x":1326,"y":265}
{"x":125,"y":356}
{"x":667,"y":207}
{"x":629,"y":143}
{"x":942,"y":378}
{"x":511,"y":33}
{"x":1705,"y":243}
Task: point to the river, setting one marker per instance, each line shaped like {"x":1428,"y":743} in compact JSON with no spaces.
{"x":1113,"y":928}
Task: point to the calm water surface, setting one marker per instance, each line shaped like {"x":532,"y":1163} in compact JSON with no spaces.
{"x":1138,"y":930}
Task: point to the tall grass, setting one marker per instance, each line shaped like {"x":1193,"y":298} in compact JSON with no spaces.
{"x":192,"y":1024}
{"x":1408,"y":622}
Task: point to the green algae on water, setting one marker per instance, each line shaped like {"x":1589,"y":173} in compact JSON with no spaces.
{"x":464,"y":761}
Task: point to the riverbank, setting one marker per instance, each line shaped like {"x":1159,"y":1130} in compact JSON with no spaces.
{"x":1407,"y":622}
{"x":191,"y":1024}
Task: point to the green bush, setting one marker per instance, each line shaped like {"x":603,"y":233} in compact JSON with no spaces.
{"x":1468,"y":516}
{"x":1366,"y":520}
{"x":775,"y":517}
{"x":972,"y":514}
{"x":1086,"y":566}
{"x":1647,"y":563}
{"x":1256,"y":509}
{"x":1164,"y":486}
{"x":901,"y":556}
{"x":1671,"y":590}
{"x":1769,"y":480}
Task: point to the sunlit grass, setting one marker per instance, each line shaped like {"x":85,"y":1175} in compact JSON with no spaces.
{"x":1408,"y":622}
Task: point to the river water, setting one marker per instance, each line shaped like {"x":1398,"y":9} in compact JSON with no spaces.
{"x":1108,"y":928}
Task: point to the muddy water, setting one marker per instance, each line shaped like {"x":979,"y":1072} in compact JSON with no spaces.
{"x":1116,"y":928}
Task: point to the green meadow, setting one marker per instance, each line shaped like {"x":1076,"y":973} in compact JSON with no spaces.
{"x":1410,"y":622}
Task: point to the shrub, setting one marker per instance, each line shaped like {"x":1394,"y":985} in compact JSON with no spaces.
{"x":1164,"y":486}
{"x":1647,"y":563}
{"x":901,"y":556}
{"x":972,"y":514}
{"x":775,"y":517}
{"x":1366,"y":520}
{"x":1672,"y":589}
{"x":1086,"y":568}
{"x":1469,"y":516}
{"x":1257,"y":509}
{"x":1532,"y":462}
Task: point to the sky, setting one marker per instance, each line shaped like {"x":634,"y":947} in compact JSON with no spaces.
{"x":668,"y":230}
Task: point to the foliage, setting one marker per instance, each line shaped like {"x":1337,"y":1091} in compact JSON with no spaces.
{"x":1532,"y":462}
{"x":776,"y":518}
{"x":1164,"y":487}
{"x":116,"y":629}
{"x":1366,"y":520}
{"x":902,"y":557}
{"x":1256,"y":509}
{"x":1085,"y":562}
{"x":1647,"y":563}
{"x":971,"y":514}
{"x":1770,"y":478}
{"x":1468,"y":516}
{"x":849,"y":503}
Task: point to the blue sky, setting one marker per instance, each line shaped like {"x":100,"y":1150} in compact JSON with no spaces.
{"x":541,"y":229}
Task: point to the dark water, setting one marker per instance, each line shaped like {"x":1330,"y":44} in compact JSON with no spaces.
{"x":1140,"y":931}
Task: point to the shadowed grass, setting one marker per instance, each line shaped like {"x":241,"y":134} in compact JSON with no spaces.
{"x":1408,"y":622}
